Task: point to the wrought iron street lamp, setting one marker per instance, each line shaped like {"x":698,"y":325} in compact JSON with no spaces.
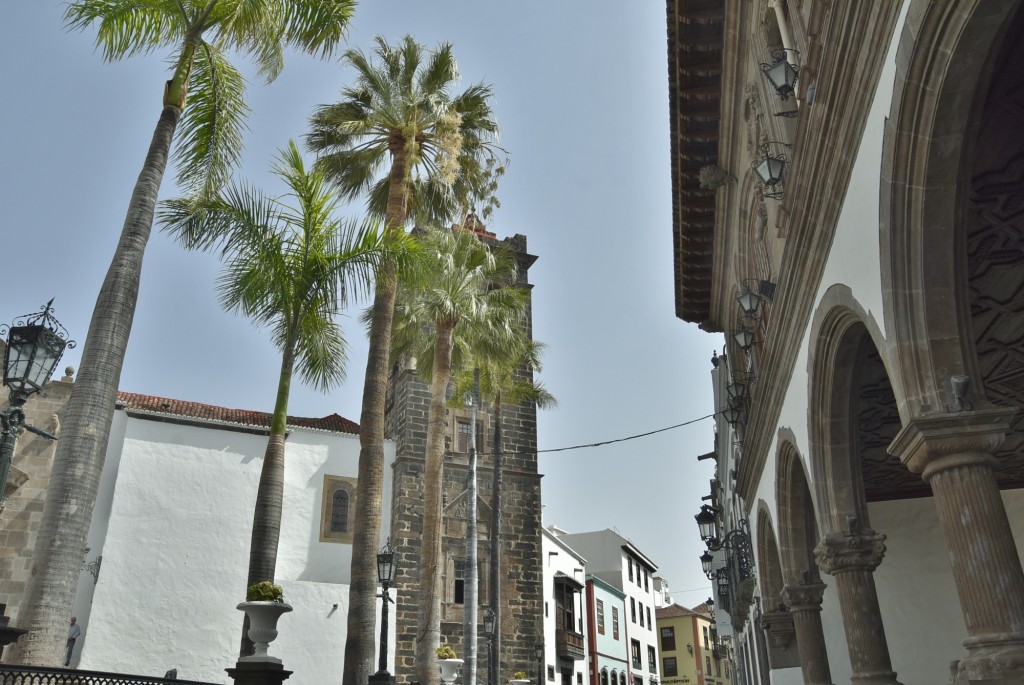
{"x":35,"y":344}
{"x":386,"y":577}
{"x":489,"y":621}
{"x":538,"y":651}
{"x":781,"y":74}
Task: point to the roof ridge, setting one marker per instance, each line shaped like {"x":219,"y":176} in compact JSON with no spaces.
{"x":333,"y":422}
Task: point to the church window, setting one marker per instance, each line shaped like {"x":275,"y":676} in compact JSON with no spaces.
{"x":336,"y":509}
{"x":339,"y":512}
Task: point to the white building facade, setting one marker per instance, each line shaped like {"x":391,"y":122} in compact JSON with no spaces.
{"x":171,"y":532}
{"x":565,"y":625}
{"x":615,"y":560}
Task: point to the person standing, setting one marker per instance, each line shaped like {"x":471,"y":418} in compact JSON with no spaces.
{"x":73,"y":632}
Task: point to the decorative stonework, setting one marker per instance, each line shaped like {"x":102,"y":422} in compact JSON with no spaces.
{"x":778,"y":626}
{"x":929,"y":444}
{"x":804,"y":597}
{"x":837,"y":552}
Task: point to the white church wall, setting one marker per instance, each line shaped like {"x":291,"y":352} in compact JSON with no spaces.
{"x":176,"y":548}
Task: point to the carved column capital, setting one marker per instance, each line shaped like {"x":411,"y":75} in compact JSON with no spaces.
{"x":778,"y":627}
{"x":837,"y":552}
{"x":803,"y":597}
{"x":930,"y":444}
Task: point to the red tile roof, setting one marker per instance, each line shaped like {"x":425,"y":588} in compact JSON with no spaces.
{"x":244,"y":417}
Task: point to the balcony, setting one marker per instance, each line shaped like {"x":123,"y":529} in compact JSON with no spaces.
{"x":720,"y":652}
{"x":569,"y":645}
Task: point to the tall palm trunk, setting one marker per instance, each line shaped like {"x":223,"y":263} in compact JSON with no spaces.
{"x":428,"y":636}
{"x":495,"y":535}
{"x":266,"y":518}
{"x":362,"y":607}
{"x":470,"y":601}
{"x":78,"y":462}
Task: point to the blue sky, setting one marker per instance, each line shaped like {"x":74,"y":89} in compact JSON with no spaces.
{"x":582,"y":98}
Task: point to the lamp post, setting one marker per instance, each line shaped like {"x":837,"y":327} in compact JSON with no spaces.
{"x":539,"y":652}
{"x":386,"y":577}
{"x":35,"y":344}
{"x":489,"y":632}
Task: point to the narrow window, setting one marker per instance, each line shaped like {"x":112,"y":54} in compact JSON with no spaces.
{"x":652,"y":660}
{"x":668,"y":640}
{"x":615,"y":623}
{"x":339,"y":512}
{"x":641,"y":615}
{"x":460,"y":582}
{"x":671,"y":669}
{"x":599,"y":610}
{"x":632,"y":608}
{"x":629,"y":562}
{"x":463,"y":434}
{"x":649,"y":624}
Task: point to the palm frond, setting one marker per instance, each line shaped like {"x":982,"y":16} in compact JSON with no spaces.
{"x":209,"y":143}
{"x":128,"y":27}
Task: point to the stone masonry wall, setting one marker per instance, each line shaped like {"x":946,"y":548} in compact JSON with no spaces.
{"x":26,"y":491}
{"x":521,"y":591}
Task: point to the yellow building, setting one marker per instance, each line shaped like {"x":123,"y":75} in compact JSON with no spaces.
{"x":689,"y":647}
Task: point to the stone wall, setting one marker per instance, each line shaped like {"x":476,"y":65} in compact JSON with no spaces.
{"x":522,"y":608}
{"x":25,"y":493}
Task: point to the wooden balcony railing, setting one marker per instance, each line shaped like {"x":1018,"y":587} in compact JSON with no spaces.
{"x":569,"y":645}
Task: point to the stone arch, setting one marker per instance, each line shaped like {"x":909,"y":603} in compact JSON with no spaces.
{"x":853,"y":416}
{"x":769,"y":565}
{"x":798,"y":522}
{"x":944,"y":68}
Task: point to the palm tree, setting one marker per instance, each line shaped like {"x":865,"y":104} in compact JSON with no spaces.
{"x":504,"y":379}
{"x":403,"y":136}
{"x":200,"y":35}
{"x":466,"y":305}
{"x":291,"y":267}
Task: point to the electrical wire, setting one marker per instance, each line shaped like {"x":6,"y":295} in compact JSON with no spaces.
{"x":610,"y":442}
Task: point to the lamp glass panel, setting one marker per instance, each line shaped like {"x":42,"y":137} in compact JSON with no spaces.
{"x":744,"y":338}
{"x":385,"y":568}
{"x":736,"y":390}
{"x":705,"y":562}
{"x":776,"y":167}
{"x":748,"y":301}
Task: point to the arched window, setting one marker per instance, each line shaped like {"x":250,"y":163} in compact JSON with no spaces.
{"x":339,"y":511}
{"x":604,"y":676}
{"x":339,"y":498}
{"x":622,"y":678}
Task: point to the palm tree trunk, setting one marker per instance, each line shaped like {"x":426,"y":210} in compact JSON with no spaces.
{"x":469,"y":623}
{"x":78,"y":462}
{"x":495,"y":535}
{"x":266,"y":518}
{"x":428,"y":636}
{"x":362,"y":607}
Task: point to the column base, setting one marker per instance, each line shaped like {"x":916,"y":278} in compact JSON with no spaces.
{"x":993,"y":660}
{"x":258,"y":673}
{"x":884,"y":678}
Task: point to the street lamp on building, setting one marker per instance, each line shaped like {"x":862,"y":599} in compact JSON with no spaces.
{"x":386,"y":577}
{"x":538,"y":651}
{"x":35,"y":344}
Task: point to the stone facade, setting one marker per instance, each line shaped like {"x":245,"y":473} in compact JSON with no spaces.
{"x":407,"y":409}
{"x":26,"y":491}
{"x":869,"y":388}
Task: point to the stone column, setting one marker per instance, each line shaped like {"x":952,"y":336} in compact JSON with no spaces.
{"x":852,"y":560}
{"x":953,"y":453}
{"x":804,"y":602}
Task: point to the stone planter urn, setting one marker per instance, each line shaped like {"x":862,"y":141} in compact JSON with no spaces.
{"x":263,"y":626}
{"x":520,"y":681}
{"x":449,"y":669}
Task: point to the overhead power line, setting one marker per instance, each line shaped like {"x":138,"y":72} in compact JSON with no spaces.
{"x":610,"y":442}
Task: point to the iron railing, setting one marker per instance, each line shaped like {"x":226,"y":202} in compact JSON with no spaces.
{"x":30,"y":675}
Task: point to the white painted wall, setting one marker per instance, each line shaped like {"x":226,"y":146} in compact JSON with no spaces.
{"x":178,"y":501}
{"x":558,"y":557}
